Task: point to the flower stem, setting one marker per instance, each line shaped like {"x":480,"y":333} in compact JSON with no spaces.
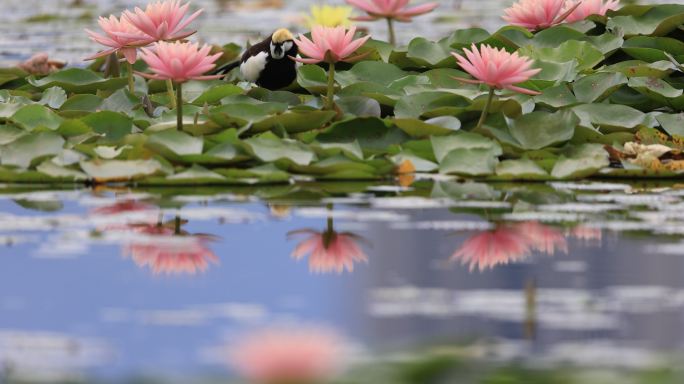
{"x":131,"y":79}
{"x":330,"y":102}
{"x":172,"y":95}
{"x":179,"y":105}
{"x":485,"y":111}
{"x":390,"y":29}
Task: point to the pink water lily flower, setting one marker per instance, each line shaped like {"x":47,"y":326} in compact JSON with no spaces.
{"x":329,"y":45}
{"x":391,"y":9}
{"x":179,"y":62}
{"x":537,"y":14}
{"x":497,"y":68}
{"x":329,"y":251}
{"x":121,"y":36}
{"x":163,"y":20}
{"x":288,"y":355}
{"x":587,"y":8}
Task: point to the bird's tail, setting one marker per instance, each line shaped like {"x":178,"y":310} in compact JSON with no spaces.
{"x":226,"y":68}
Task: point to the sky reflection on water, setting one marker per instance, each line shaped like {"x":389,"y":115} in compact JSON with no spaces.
{"x":163,"y":283}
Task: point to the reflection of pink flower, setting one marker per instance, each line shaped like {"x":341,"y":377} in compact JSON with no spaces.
{"x":543,"y":238}
{"x":509,"y":243}
{"x":590,"y":7}
{"x":586,"y":234}
{"x":329,"y":251}
{"x":120,"y":36}
{"x":391,"y":9}
{"x":491,"y":248}
{"x":123,"y":206}
{"x":286,"y":355}
{"x":165,"y":252}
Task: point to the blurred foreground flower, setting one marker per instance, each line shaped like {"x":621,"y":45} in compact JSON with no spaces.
{"x":179,"y":62}
{"x":538,"y":14}
{"x":329,"y":251}
{"x":167,"y":250}
{"x":587,"y":8}
{"x":330,"y":45}
{"x":288,"y":355}
{"x":41,"y":65}
{"x":329,"y":16}
{"x":391,"y":10}
{"x":509,"y":243}
{"x":162,"y":20}
{"x":496,"y":68}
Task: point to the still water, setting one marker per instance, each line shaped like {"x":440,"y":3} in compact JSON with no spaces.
{"x":117,"y":284}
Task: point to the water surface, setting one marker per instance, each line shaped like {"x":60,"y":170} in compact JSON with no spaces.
{"x":115,"y":284}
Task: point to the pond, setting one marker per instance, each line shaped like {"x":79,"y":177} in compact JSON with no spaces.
{"x":553,"y":282}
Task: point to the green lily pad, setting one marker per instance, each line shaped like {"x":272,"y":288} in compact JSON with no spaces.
{"x":443,"y":145}
{"x":598,"y":86}
{"x":652,"y":49}
{"x":611,"y":117}
{"x":374,"y":135}
{"x":469,"y":162}
{"x":582,"y":161}
{"x":523,"y":169}
{"x":120,"y":170}
{"x":312,"y":78}
{"x":21,"y":152}
{"x":430,"y":104}
{"x":657,"y":20}
{"x":370,"y":71}
{"x":173,"y":143}
{"x":78,"y":80}
{"x":431,"y":54}
{"x":114,"y":126}
{"x":539,"y":129}
{"x":443,"y":125}
{"x":586,"y":55}
{"x":673,"y":124}
{"x":295,"y":121}
{"x":35,"y":116}
{"x":53,"y":97}
{"x":270,"y":148}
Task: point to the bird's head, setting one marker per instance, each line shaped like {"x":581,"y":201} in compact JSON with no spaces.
{"x":282,"y":42}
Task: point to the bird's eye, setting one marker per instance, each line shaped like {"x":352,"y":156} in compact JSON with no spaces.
{"x":287,"y":46}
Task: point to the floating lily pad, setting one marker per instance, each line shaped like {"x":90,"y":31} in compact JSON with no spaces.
{"x":78,"y":80}
{"x":21,"y":152}
{"x":539,"y":129}
{"x":120,"y":170}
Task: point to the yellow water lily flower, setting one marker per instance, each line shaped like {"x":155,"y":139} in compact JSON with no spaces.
{"x":329,"y":16}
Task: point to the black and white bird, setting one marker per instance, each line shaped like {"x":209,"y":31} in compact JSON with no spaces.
{"x":268,"y":63}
